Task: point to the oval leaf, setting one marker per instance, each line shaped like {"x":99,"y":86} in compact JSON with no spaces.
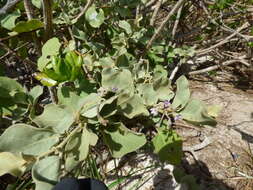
{"x":45,"y":173}
{"x":28,"y":26}
{"x":121,"y":140}
{"x":182,"y":94}
{"x":11,"y":164}
{"x":27,"y":139}
{"x":196,"y":112}
{"x":95,"y":18}
{"x":168,"y":145}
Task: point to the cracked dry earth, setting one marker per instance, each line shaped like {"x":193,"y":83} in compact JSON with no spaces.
{"x":225,"y":164}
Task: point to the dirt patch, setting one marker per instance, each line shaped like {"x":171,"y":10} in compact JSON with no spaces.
{"x":233,"y":136}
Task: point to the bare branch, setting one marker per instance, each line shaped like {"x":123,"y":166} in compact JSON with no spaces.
{"x":157,"y":7}
{"x":174,"y":9}
{"x":215,"y":67}
{"x":8,"y":6}
{"x":176,"y":22}
{"x":245,"y":25}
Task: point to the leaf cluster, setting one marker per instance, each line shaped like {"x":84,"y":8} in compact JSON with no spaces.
{"x":110,"y":90}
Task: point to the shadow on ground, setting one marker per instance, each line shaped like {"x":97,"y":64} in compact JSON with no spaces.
{"x":191,"y":177}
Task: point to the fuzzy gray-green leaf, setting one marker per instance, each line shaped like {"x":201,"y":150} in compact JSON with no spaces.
{"x":45,"y":173}
{"x":182,"y":95}
{"x":120,"y":79}
{"x":27,"y":139}
{"x":168,"y":145}
{"x":196,"y":112}
{"x":121,"y":140}
{"x":58,"y":118}
{"x":133,"y":107}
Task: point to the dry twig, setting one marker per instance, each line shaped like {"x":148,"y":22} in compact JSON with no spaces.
{"x":204,"y":51}
{"x":215,"y":67}
{"x":160,"y":28}
{"x":88,"y":4}
{"x":8,"y":6}
{"x":157,"y":7}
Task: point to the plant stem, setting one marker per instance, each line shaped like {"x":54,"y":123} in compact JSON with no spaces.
{"x":30,"y":16}
{"x":83,"y":10}
{"x":52,"y":93}
{"x":48,"y":19}
{"x":157,"y":7}
{"x":63,"y":143}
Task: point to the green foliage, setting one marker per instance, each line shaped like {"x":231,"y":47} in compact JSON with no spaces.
{"x":196,"y":112}
{"x":50,"y":48}
{"x":95,"y":18}
{"x":45,"y":172}
{"x":28,"y":26}
{"x":77,"y":148}
{"x":182,"y":95}
{"x":12,"y":164}
{"x":121,"y":140}
{"x":22,"y":138}
{"x":13,"y":99}
{"x":168,"y":146}
{"x":222,"y":4}
{"x":8,"y":21}
{"x":109,"y":90}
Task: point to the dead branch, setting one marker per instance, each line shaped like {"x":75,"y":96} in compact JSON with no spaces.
{"x":8,"y":6}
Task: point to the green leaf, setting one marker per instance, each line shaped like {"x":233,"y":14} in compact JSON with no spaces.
{"x":12,"y":94}
{"x":121,"y":140}
{"x":9,"y":87}
{"x":27,"y":139}
{"x":148,"y":94}
{"x":58,"y":69}
{"x":76,"y":104}
{"x":74,"y":63}
{"x":79,"y":34}
{"x":134,"y":106}
{"x":168,"y":145}
{"x":28,"y":26}
{"x":196,"y":112}
{"x":95,"y":18}
{"x":108,"y":107}
{"x":214,"y":110}
{"x":58,"y":118}
{"x":45,"y":173}
{"x":50,"y":48}
{"x":37,"y":3}
{"x":44,"y":79}
{"x":35,"y":93}
{"x":9,"y":20}
{"x":11,"y":164}
{"x":121,"y":79}
{"x":77,"y":148}
{"x":91,"y":102}
{"x":162,"y":85}
{"x":182,"y":95}
{"x":106,"y":62}
{"x":126,"y":26}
